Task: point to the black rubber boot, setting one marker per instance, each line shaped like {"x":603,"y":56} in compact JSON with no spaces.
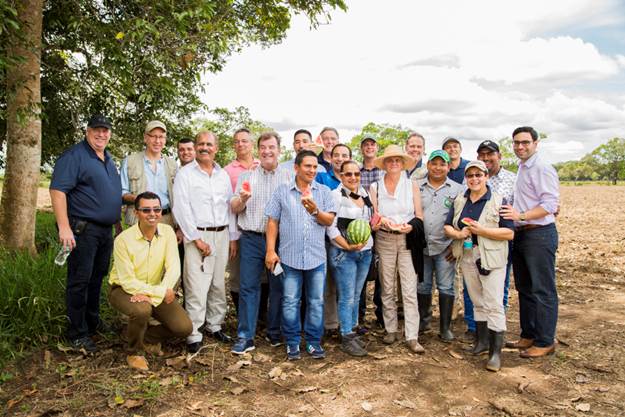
{"x":445,"y":305}
{"x":425,"y":311}
{"x":495,"y":343}
{"x":480,"y":344}
{"x":235,"y":301}
{"x":350,"y":345}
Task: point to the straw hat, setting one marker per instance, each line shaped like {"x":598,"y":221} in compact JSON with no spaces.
{"x":392,"y":151}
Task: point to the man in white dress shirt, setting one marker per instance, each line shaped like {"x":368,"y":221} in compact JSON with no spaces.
{"x":202,"y":192}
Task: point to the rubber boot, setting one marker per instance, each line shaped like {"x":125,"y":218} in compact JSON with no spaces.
{"x":350,"y":345}
{"x":446,"y":305}
{"x":495,"y":343}
{"x":235,"y":301}
{"x":480,"y":344}
{"x":425,"y":312}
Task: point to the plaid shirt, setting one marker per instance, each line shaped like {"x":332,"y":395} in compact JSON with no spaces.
{"x":369,"y":176}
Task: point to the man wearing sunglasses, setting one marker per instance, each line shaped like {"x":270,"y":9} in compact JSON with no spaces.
{"x":145,"y":270}
{"x":149,"y":170}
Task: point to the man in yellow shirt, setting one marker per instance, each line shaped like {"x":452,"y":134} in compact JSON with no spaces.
{"x":146,"y":267}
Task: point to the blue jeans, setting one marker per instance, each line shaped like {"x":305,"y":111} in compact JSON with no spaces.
{"x":252,"y":247}
{"x":468,"y":304}
{"x":350,"y":271}
{"x":533,"y":260}
{"x":87,"y":265}
{"x":313,"y":281}
{"x":445,"y":274}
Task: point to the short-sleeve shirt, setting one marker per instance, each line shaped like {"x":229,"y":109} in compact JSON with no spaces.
{"x":92,"y":185}
{"x":503,"y":184}
{"x":437,"y":203}
{"x":327,"y":165}
{"x":302,"y":243}
{"x":457,"y":174}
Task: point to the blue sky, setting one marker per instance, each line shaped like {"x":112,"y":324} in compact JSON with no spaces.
{"x":471,"y":69}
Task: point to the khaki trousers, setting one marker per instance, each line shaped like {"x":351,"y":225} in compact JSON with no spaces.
{"x":486,"y":291}
{"x":204,"y":283}
{"x":174,"y":320}
{"x":396,"y":258}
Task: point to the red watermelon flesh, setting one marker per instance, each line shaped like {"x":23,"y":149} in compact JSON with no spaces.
{"x":467,"y":221}
{"x":246,"y":186}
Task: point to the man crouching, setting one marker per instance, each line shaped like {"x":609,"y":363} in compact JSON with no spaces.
{"x":145,"y":270}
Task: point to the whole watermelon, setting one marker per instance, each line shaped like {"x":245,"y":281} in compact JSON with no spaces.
{"x":358,"y":231}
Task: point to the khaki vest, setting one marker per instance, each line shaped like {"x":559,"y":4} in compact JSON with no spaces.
{"x":493,"y":253}
{"x":138,"y":183}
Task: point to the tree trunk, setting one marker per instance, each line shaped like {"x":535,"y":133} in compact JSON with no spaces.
{"x":23,"y":159}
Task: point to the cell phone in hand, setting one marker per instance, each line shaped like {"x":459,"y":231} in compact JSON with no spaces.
{"x":277,"y":269}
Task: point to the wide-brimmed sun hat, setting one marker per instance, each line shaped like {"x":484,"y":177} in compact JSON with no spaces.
{"x":395,"y":151}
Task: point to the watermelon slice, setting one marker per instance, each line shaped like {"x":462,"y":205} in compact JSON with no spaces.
{"x":467,"y":221}
{"x":246,"y":186}
{"x":306,"y":194}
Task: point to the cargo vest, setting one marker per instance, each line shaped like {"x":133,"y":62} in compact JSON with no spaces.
{"x":493,"y":253}
{"x":138,"y":183}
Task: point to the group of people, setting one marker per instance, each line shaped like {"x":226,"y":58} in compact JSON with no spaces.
{"x":280,"y":233}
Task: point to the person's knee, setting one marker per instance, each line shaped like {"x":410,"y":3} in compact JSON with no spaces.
{"x":141,"y":312}
{"x":182,"y":327}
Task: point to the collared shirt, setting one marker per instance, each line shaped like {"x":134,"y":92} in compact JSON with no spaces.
{"x":537,"y":184}
{"x":302,"y":244}
{"x":457,"y":174}
{"x":436,"y":203}
{"x":263,"y":183}
{"x":290,"y":166}
{"x":236,"y":168}
{"x":203,"y":200}
{"x":369,"y":176}
{"x":328,"y":179}
{"x":349,"y":210}
{"x":411,"y":172}
{"x":503,"y":184}
{"x":327,"y":165}
{"x":92,"y":186}
{"x":156,"y":181}
{"x":146,"y":267}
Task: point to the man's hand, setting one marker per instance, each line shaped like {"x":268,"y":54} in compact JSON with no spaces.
{"x":118,"y":228}
{"x":234,"y":248}
{"x":170,"y":296}
{"x":66,"y":237}
{"x":244,"y":195}
{"x":309,"y":204}
{"x":271,"y":259}
{"x":179,"y":235}
{"x":203,"y":247}
{"x":509,"y":213}
{"x":140,"y":298}
{"x":449,"y":255}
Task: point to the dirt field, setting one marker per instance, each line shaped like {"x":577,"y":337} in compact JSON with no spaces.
{"x":585,"y":377}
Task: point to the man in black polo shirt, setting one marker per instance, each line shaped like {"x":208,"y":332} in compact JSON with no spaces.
{"x":86,"y":199}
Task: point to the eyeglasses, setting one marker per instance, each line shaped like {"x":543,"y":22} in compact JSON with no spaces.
{"x":480,"y":175}
{"x":351,"y":174}
{"x":158,"y":137}
{"x":147,"y":210}
{"x":518,"y":143}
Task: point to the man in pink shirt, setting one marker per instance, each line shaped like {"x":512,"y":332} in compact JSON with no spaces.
{"x":245,"y":161}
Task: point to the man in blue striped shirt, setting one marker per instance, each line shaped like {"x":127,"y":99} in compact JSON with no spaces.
{"x":300,"y":212}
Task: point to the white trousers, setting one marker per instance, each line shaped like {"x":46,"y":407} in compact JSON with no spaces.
{"x":204,"y":284}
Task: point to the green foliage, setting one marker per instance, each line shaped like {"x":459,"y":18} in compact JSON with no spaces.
{"x":606,"y":162}
{"x":508,"y":159}
{"x":385,"y":134}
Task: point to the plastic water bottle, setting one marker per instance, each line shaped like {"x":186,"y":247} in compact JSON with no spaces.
{"x":62,"y":255}
{"x":468,"y":243}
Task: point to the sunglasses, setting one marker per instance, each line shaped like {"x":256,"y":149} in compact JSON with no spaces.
{"x":351,"y":174}
{"x":474,"y":175}
{"x":147,"y":210}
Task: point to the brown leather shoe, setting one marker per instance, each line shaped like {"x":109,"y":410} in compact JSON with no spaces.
{"x":415,"y":346}
{"x":521,"y":344}
{"x":390,"y":338}
{"x":537,"y":352}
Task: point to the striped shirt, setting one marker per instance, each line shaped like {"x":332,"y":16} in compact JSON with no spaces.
{"x":263,"y":183}
{"x":537,"y":184}
{"x":302,"y":244}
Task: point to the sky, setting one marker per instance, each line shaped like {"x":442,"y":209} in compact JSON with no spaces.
{"x":473,"y":70}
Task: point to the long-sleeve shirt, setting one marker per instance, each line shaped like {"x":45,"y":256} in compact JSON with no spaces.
{"x":146,"y":267}
{"x":537,"y":184}
{"x":203,"y":200}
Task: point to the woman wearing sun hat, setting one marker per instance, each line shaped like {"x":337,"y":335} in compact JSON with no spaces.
{"x":480,"y":247}
{"x":396,"y":199}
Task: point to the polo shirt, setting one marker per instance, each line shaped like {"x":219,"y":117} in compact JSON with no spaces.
{"x":93,"y":186}
{"x":327,"y":165}
{"x":458,"y":173}
{"x":328,"y":179}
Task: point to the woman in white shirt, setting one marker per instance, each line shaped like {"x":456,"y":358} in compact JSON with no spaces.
{"x":349,"y":262}
{"x":397,"y":200}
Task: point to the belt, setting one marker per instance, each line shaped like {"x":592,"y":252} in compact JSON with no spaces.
{"x":392,"y":232}
{"x":165,"y":211}
{"x":212,"y":229}
{"x":253,"y":232}
{"x":526,"y":227}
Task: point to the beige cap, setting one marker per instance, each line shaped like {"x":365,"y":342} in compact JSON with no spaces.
{"x":154,"y":124}
{"x":476,"y":164}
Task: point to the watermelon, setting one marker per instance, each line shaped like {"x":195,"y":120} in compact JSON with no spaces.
{"x":306,"y":194}
{"x":467,"y":221}
{"x":358,"y":231}
{"x":246,"y":186}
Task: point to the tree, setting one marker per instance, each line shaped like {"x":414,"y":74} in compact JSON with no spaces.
{"x":131,"y":60}
{"x":508,"y":158}
{"x":385,"y":134}
{"x":611,"y":156}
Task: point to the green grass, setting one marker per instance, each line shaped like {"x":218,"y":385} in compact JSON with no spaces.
{"x":32,"y":296}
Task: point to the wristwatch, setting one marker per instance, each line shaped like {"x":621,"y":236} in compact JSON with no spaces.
{"x":315,"y":212}
{"x":522,"y":216}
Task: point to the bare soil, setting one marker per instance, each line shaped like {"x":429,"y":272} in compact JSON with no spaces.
{"x":586,"y":376}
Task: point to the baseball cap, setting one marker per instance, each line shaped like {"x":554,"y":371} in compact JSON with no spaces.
{"x":488,"y":144}
{"x":153,"y":125}
{"x":98,"y":120}
{"x":368,"y":137}
{"x":439,"y":153}
{"x":476,"y":164}
{"x":449,"y":139}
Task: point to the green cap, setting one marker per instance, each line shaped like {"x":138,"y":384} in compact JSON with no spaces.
{"x":439,"y":153}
